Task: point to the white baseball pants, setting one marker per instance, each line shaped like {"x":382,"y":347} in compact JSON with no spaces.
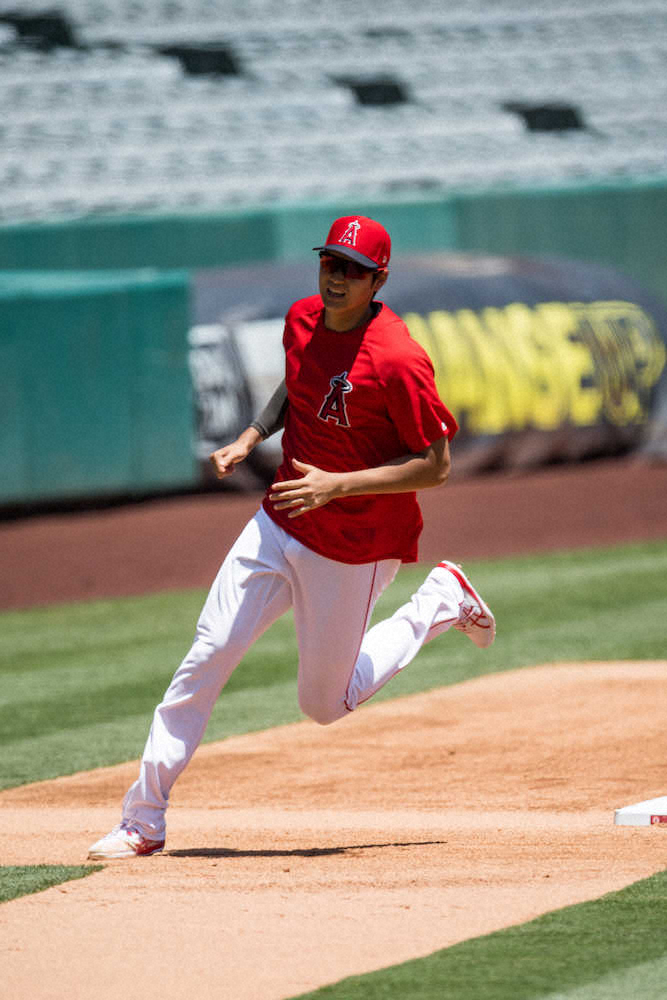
{"x":340,"y":664}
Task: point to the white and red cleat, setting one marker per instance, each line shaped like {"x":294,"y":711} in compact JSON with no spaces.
{"x":475,"y":617}
{"x":124,"y":841}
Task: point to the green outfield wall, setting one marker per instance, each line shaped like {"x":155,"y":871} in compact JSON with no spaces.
{"x":95,"y":392}
{"x":621,"y":224}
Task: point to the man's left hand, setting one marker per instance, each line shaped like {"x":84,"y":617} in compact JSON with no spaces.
{"x":314,"y":489}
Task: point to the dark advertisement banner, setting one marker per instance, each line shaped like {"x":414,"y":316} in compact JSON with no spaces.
{"x":539,"y":359}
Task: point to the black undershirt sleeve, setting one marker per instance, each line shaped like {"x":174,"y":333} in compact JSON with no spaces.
{"x":272,"y":417}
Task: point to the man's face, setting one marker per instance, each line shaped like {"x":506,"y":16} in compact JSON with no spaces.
{"x":346,"y":288}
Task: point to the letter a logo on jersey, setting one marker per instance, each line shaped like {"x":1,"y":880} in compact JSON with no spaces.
{"x":333,"y":407}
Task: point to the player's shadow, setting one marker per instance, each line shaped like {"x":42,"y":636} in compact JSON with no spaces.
{"x":296,"y":852}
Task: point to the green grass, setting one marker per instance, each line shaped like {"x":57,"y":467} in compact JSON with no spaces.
{"x":593,"y":951}
{"x":79,"y":682}
{"x":20,"y":880}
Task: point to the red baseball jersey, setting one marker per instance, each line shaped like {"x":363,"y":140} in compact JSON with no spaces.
{"x":357,"y":399}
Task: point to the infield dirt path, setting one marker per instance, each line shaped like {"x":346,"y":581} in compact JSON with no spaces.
{"x":302,"y":855}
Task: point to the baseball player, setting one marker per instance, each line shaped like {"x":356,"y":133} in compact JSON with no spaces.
{"x":364,"y":429}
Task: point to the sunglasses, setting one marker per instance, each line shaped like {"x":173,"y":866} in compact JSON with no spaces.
{"x":347,"y":268}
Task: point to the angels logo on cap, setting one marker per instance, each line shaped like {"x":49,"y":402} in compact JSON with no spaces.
{"x":361,"y":239}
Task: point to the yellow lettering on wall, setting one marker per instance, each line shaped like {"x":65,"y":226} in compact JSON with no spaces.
{"x":581,"y":398}
{"x":456,"y":375}
{"x":490,"y":414}
{"x":542,"y":375}
{"x":512,"y":326}
{"x":648,"y":350}
{"x":519,"y":366}
{"x":630,"y":356}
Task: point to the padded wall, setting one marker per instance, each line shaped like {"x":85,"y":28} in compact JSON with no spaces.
{"x":95,"y":392}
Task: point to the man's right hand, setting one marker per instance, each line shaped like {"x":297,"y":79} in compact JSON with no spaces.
{"x":225,"y":458}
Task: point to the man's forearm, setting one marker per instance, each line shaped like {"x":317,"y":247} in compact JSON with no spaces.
{"x":272,"y":417}
{"x":403,"y":475}
{"x":316,"y":487}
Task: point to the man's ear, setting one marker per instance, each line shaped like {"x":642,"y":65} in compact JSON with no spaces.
{"x":379,"y":279}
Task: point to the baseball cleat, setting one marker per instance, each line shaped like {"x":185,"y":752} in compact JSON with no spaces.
{"x":124,"y":841}
{"x":475,"y":618}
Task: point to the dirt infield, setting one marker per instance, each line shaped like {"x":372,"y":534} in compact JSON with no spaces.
{"x":301,"y":855}
{"x":164,"y":544}
{"x":304,"y":854}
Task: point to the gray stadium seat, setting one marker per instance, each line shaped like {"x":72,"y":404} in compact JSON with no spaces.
{"x":90,"y":126}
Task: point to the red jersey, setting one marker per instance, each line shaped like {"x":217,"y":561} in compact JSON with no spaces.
{"x":356,"y":400}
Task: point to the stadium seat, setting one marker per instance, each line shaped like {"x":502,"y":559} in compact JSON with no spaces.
{"x":147,"y":105}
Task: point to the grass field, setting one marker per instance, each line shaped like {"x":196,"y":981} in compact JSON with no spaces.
{"x":80,"y":682}
{"x":614,"y":948}
{"x":19,"y":880}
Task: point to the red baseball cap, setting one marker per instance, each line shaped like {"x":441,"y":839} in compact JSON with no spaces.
{"x":361,"y":239}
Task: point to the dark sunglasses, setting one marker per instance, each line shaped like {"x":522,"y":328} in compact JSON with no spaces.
{"x":348,"y":268}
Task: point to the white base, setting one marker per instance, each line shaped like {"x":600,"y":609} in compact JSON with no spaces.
{"x":653,"y":812}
